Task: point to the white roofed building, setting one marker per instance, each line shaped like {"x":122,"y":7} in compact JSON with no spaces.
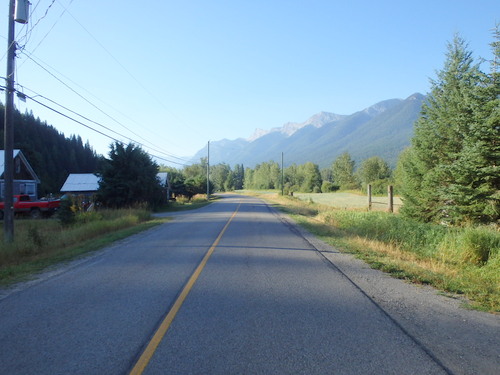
{"x":81,"y":183}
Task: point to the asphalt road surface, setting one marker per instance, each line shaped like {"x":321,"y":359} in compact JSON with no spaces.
{"x":233,"y":288}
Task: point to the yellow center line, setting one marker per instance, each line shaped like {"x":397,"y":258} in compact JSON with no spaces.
{"x":148,"y":353}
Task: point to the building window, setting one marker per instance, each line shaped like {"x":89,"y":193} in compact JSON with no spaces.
{"x":30,"y":189}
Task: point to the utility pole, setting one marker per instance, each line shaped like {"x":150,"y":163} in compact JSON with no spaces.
{"x":8,"y":174}
{"x":208,"y":171}
{"x":21,"y":11}
{"x":282,"y":176}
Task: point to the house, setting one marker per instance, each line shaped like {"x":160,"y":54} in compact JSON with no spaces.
{"x":81,"y":184}
{"x":25,"y":179}
{"x":82,"y":187}
{"x":87,"y":184}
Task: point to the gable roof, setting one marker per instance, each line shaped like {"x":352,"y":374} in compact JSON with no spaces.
{"x":81,"y":182}
{"x":17,"y":153}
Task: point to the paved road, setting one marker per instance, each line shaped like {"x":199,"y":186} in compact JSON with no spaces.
{"x":267,"y":302}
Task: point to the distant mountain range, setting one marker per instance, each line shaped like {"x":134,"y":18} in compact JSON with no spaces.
{"x":383,"y":129}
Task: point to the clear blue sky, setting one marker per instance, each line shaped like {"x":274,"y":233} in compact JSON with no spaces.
{"x":173,"y":75}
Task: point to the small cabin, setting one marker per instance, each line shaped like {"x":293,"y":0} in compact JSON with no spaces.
{"x":81,"y":184}
{"x":25,"y":179}
{"x":82,"y":187}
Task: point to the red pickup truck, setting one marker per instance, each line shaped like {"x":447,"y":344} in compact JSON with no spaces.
{"x":24,"y":205}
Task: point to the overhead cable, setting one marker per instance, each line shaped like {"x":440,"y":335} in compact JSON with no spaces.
{"x":92,"y":128}
{"x":151,"y":145}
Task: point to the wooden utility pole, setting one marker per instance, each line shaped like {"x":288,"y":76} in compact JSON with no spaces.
{"x":369,"y":188}
{"x":8,"y":173}
{"x":19,"y":12}
{"x":208,"y":171}
{"x":390,"y":192}
{"x":282,"y":176}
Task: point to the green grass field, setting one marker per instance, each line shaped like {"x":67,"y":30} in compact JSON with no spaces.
{"x":348,"y":200}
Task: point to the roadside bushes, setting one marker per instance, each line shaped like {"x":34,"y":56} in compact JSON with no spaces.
{"x":469,"y":245}
{"x":41,"y":238}
{"x":474,"y":245}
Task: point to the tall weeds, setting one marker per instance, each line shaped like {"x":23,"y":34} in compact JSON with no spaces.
{"x":39,"y":239}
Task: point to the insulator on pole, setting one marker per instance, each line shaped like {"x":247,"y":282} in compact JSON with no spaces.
{"x":22,"y":11}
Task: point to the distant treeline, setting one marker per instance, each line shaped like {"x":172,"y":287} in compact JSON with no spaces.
{"x":51,"y":155}
{"x":304,"y":178}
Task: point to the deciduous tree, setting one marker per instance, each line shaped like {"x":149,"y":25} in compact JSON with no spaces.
{"x":374,"y":171}
{"x":343,"y":172}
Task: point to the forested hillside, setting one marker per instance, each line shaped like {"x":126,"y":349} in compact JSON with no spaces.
{"x":52,"y":155}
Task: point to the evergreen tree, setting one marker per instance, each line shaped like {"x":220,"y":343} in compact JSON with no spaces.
{"x":238,"y":176}
{"x":450,"y":173}
{"x":475,"y":186}
{"x":129,"y":177}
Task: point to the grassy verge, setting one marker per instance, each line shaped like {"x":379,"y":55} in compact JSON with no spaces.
{"x":464,"y":261}
{"x":41,"y":243}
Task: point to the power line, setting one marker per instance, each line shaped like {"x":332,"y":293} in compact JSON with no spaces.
{"x":97,"y":131}
{"x":130,"y":74}
{"x":96,"y":107}
{"x":151,"y":145}
{"x":38,"y":21}
{"x":90,"y":127}
{"x":105,"y":127}
{"x":31,"y":58}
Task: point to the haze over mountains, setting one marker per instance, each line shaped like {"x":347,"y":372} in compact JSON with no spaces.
{"x":383,"y":129}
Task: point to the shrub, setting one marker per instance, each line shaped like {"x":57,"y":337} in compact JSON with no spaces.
{"x":65,"y":213}
{"x":89,"y":216}
{"x":478,"y":245}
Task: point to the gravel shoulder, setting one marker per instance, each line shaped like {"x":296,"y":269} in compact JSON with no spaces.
{"x":464,"y":341}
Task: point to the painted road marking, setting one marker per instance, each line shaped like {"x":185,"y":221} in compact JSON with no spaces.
{"x":148,"y":353}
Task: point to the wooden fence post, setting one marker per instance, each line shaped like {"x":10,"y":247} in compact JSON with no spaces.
{"x":369,"y":188}
{"x":390,"y":192}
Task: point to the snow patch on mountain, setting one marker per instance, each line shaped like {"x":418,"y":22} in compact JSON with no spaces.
{"x":288,"y":129}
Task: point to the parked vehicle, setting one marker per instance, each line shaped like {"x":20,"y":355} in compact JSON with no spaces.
{"x":36,"y":209}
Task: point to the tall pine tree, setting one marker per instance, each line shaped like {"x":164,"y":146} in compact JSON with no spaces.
{"x":448,"y":174}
